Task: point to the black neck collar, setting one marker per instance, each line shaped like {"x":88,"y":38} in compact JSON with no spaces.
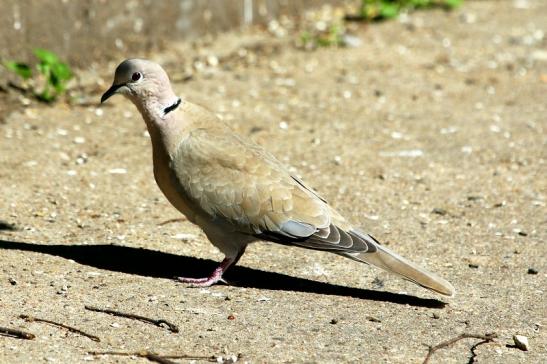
{"x":171,"y":107}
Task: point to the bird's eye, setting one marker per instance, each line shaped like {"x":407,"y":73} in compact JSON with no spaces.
{"x":136,"y":76}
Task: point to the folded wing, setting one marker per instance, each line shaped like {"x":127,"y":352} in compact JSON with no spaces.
{"x":240,"y":183}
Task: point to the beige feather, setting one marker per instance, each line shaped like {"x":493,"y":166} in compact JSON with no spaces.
{"x":235,"y":190}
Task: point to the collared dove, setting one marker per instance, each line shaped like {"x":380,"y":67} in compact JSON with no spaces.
{"x":235,"y":190}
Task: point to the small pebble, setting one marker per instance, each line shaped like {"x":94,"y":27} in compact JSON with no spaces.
{"x":231,"y":317}
{"x":351,"y":41}
{"x":467,"y":149}
{"x":539,"y":55}
{"x":412,"y":153}
{"x":184,"y":237}
{"x":439,"y":211}
{"x":521,"y":342}
{"x":81,"y":159}
{"x":378,"y":283}
{"x":373,"y":319}
{"x":229,"y":359}
{"x":436,"y":316}
{"x":13,"y":282}
{"x":117,"y":171}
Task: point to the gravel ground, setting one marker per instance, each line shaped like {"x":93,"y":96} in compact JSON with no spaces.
{"x":431,"y":135}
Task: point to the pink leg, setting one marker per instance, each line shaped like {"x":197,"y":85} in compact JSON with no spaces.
{"x":214,"y":277}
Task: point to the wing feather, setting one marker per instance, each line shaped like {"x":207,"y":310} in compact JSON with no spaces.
{"x":241,"y":183}
{"x":234,"y":180}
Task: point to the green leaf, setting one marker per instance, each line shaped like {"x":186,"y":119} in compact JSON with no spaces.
{"x":23,"y":70}
{"x":55,"y":74}
{"x":389,"y":10}
{"x":43,"y":68}
{"x":452,"y":3}
{"x":61,"y":71}
{"x":54,"y":81}
{"x":46,"y":56}
{"x":305,"y":37}
{"x":422,"y":3}
{"x":45,"y":96}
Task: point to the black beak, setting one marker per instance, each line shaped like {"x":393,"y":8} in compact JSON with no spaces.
{"x":111,"y":91}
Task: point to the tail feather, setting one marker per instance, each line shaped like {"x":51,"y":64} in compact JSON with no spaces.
{"x":361,"y":247}
{"x":384,"y":258}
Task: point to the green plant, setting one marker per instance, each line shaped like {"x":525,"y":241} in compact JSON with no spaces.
{"x":54,"y":74}
{"x":332,"y":36}
{"x":375,"y":10}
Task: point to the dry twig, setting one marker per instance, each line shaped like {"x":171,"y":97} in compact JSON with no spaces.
{"x":162,"y":359}
{"x":171,"y":221}
{"x":160,"y":323}
{"x":58,"y":324}
{"x":432,"y":349}
{"x":6,"y":331}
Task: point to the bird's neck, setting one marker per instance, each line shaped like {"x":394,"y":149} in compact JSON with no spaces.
{"x":157,"y":110}
{"x":165,"y":123}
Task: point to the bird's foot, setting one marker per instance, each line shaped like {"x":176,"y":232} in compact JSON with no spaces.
{"x":215,"y":277}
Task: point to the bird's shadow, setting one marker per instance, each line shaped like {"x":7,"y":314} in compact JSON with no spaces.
{"x":151,"y":263}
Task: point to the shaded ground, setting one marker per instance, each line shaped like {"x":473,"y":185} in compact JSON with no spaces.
{"x":431,"y":135}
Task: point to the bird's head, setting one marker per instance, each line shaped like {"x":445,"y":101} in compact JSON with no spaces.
{"x":139,"y":79}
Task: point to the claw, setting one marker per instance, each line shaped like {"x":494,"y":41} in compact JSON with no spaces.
{"x":215,"y":277}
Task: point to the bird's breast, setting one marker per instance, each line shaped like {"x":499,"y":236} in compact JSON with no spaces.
{"x":170,"y":186}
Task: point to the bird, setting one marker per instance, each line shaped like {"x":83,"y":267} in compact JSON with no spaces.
{"x":236,"y":191}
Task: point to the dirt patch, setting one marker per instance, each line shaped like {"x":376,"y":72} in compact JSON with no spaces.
{"x":431,"y":135}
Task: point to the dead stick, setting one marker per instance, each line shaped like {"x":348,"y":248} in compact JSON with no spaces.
{"x":160,"y":323}
{"x":58,"y":324}
{"x":21,"y":89}
{"x":212,"y":358}
{"x":6,"y":331}
{"x":447,"y":343}
{"x":141,"y":354}
{"x":170,"y":221}
{"x":163,"y":359}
